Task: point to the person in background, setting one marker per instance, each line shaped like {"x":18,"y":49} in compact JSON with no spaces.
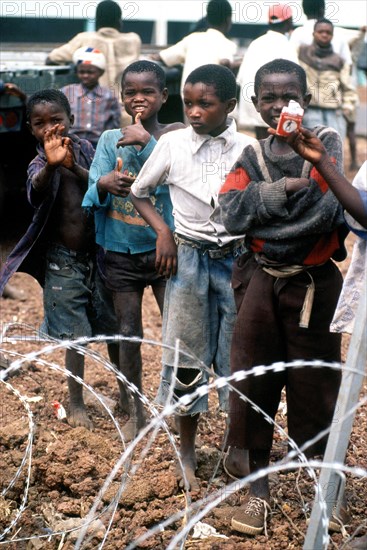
{"x":95,"y":108}
{"x":10,"y":291}
{"x":201,"y":48}
{"x":119,"y":48}
{"x":314,"y":10}
{"x":333,"y":97}
{"x":275,"y":43}
{"x":12,"y":89}
{"x":346,"y":43}
{"x":356,"y":44}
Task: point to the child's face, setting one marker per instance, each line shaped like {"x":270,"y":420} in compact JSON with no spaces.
{"x":141,"y":94}
{"x":206,"y":113}
{"x":275,"y":92}
{"x":45,"y":115}
{"x":88,"y":75}
{"x":323,"y":34}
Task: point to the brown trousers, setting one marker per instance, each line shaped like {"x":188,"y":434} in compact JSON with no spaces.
{"x":266,"y":331}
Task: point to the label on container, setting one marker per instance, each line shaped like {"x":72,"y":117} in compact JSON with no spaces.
{"x":288,"y":123}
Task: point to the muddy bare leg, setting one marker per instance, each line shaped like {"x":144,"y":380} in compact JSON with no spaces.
{"x":128,"y":311}
{"x":74,"y":362}
{"x":187,"y":430}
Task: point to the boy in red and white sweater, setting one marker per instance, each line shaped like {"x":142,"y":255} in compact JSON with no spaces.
{"x":286,"y":289}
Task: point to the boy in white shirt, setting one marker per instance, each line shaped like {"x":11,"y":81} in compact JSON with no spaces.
{"x":199,"y":306}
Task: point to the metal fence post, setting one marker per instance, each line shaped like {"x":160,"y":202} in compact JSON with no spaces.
{"x":317,"y":533}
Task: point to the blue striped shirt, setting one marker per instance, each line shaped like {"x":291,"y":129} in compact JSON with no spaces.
{"x":94,"y":110}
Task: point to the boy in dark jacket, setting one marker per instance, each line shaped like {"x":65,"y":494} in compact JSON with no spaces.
{"x":58,"y":248}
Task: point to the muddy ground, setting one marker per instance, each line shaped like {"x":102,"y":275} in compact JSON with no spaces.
{"x":66,"y":467}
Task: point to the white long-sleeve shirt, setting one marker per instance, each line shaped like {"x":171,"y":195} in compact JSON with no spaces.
{"x":199,"y":48}
{"x":194,"y":167}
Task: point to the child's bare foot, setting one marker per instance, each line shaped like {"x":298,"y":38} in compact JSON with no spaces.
{"x":132,"y":427}
{"x":135,"y":414}
{"x":190,"y":468}
{"x":78,"y":417}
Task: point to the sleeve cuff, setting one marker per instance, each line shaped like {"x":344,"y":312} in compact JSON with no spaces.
{"x":139,"y":193}
{"x":274,"y":197}
{"x":91,"y":199}
{"x":145,"y":153}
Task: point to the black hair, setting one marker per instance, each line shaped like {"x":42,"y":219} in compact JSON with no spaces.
{"x":281,"y":66}
{"x":218,"y":12}
{"x":49,"y":95}
{"x":313,"y":9}
{"x":146,"y":67}
{"x":108,"y":14}
{"x":221,"y":78}
{"x":325,"y":21}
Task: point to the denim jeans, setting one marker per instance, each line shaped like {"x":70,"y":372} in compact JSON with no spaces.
{"x":199,"y":310}
{"x":333,"y":118}
{"x":76,"y":302}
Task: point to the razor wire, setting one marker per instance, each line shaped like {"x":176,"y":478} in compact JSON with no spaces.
{"x":193,"y":512}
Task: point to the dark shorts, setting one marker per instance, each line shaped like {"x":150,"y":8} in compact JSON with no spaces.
{"x":131,"y":272}
{"x":76,"y":302}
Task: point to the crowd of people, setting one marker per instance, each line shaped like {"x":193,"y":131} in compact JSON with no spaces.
{"x":238,"y":237}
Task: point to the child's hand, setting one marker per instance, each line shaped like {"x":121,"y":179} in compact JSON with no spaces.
{"x":166,"y":254}
{"x":69,"y":161}
{"x":12,"y":89}
{"x":292,"y":185}
{"x":305,"y":143}
{"x":135,"y":134}
{"x":116,"y":183}
{"x":56,"y":146}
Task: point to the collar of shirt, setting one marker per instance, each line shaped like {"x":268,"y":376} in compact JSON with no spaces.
{"x":228,"y":136}
{"x":109,"y":32}
{"x":83,"y":91}
{"x":215,"y":33}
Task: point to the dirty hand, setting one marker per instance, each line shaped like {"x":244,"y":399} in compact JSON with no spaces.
{"x":135,"y":134}
{"x":57,"y":147}
{"x":292,"y":185}
{"x":12,"y":89}
{"x":115,"y":182}
{"x":69,"y":161}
